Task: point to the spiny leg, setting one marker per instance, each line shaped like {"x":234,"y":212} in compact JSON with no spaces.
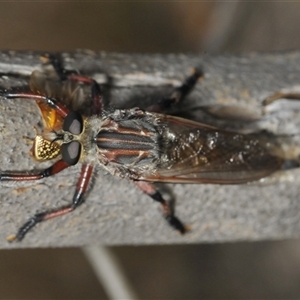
{"x":78,"y":198}
{"x":61,"y":109}
{"x":168,"y":211}
{"x":178,"y":94}
{"x":33,"y":175}
{"x":63,"y":74}
{"x":30,"y":176}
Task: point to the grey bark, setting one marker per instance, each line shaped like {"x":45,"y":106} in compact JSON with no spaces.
{"x":115,"y":212}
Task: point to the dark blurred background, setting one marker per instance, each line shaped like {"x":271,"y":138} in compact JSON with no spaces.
{"x":265,"y":270}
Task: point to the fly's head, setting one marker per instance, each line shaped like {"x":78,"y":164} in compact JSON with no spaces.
{"x":64,"y":141}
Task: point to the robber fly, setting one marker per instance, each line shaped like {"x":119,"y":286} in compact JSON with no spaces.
{"x":142,"y":146}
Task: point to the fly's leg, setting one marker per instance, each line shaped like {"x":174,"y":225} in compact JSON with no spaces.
{"x":57,"y":63}
{"x":178,"y":94}
{"x":28,"y":176}
{"x":62,"y":110}
{"x":281,"y":95}
{"x":168,"y":211}
{"x":63,"y":74}
{"x":78,"y":198}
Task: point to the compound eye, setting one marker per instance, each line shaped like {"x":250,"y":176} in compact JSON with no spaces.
{"x":71,"y":152}
{"x":73,"y":123}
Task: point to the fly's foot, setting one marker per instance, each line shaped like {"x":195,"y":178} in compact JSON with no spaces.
{"x":11,"y":238}
{"x":39,"y":217}
{"x":177,"y":224}
{"x":281,"y":95}
{"x":167,"y":208}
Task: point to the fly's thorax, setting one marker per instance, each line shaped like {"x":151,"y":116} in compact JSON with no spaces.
{"x":128,"y":141}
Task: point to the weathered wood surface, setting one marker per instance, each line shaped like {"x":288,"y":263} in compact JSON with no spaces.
{"x":116,"y":213}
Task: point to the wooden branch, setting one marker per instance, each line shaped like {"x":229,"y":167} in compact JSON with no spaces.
{"x":116,"y":213}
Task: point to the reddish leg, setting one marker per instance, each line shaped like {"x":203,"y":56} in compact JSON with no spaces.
{"x":28,"y":176}
{"x":60,"y":108}
{"x":178,"y":94}
{"x":78,"y":198}
{"x":168,"y":211}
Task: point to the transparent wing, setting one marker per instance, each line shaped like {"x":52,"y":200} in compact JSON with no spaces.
{"x":68,"y":92}
{"x":202,"y":154}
